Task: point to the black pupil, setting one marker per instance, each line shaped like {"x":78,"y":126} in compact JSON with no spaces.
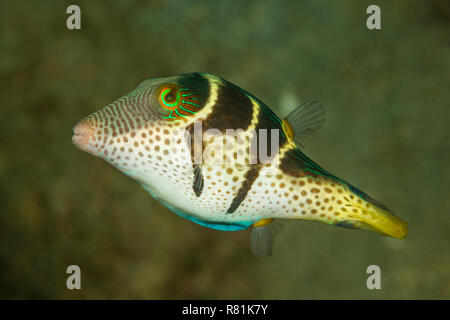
{"x":170,"y":97}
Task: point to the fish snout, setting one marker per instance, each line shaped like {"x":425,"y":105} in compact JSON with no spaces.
{"x":83,"y":134}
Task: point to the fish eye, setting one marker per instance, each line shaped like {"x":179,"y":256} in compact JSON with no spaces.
{"x":169,"y":97}
{"x":177,"y":102}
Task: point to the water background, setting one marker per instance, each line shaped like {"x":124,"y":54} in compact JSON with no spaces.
{"x":387,"y":132}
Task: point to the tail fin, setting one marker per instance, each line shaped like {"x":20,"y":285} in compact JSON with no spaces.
{"x":372,"y":216}
{"x":379,"y":221}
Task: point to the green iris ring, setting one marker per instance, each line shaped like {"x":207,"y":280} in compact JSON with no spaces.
{"x":168,"y":104}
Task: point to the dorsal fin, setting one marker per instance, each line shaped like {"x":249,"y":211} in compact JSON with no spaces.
{"x":304,"y":120}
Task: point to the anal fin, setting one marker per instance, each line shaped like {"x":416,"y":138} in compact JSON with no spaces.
{"x":262,"y":237}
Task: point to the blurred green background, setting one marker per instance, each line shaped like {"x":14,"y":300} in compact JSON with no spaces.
{"x":387,"y":132}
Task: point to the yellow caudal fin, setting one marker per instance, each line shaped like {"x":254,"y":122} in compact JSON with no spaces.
{"x":372,"y":216}
{"x":379,"y":221}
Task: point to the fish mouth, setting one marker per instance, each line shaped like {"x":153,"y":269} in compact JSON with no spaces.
{"x":82,"y":135}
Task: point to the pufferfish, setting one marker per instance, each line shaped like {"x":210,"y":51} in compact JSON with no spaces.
{"x":215,"y":154}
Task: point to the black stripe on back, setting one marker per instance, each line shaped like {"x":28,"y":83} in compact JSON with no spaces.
{"x":291,"y":165}
{"x":233,"y":109}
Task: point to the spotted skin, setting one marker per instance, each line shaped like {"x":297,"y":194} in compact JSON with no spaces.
{"x":145,"y":137}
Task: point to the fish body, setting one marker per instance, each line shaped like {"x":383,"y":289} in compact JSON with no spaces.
{"x":216,"y":155}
